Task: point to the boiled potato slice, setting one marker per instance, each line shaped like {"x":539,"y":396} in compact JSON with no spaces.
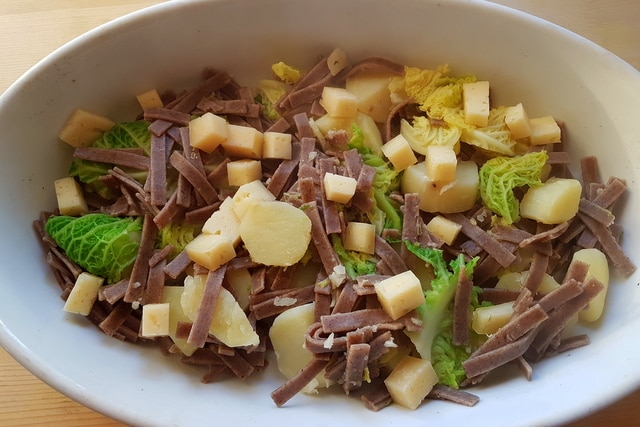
{"x":287,"y":337}
{"x":457,"y":196}
{"x":598,"y":268}
{"x":229,"y":323}
{"x":275,"y":233}
{"x":487,"y":320}
{"x":172,"y":295}
{"x":553,"y":202}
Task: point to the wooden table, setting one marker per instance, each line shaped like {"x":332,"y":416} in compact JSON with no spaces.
{"x":30,"y":29}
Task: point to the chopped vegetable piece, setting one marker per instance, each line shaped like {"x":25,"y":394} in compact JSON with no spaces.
{"x":101,"y":244}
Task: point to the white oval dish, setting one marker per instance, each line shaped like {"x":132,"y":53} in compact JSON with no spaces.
{"x":526,"y":59}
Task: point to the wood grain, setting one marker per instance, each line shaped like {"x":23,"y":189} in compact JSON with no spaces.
{"x":29,"y":29}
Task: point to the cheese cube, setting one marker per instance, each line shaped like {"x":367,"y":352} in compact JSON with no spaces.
{"x":400,"y":294}
{"x":224,"y":222}
{"x":372,"y":91}
{"x":243,"y":171}
{"x":243,"y":141}
{"x":70,"y":197}
{"x":441,"y":163}
{"x":249,"y":194}
{"x":475,"y":99}
{"x":149,"y":99}
{"x":339,"y":188}
{"x":276,"y":145}
{"x":210,"y":250}
{"x":339,"y":102}
{"x":360,"y":237}
{"x":207,"y":132}
{"x":444,"y":229}
{"x":337,"y":61}
{"x":83,"y":294}
{"x":544,"y":130}
{"x":411,"y":381}
{"x":517,"y":121}
{"x":487,"y":320}
{"x":155,"y":320}
{"x":399,"y":152}
{"x":83,"y":128}
{"x":555,"y":201}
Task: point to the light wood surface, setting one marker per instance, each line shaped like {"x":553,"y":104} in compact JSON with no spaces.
{"x":30,"y":29}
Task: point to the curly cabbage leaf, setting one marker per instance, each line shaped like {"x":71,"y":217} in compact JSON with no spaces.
{"x":386,"y":213}
{"x":355,"y":263}
{"x":269,"y":93}
{"x":494,"y":138}
{"x":99,"y":243}
{"x":122,"y":135}
{"x":434,"y":341}
{"x":177,"y":235}
{"x":500,"y":175}
{"x":423,"y":133}
{"x":419,"y":83}
{"x":286,"y":73}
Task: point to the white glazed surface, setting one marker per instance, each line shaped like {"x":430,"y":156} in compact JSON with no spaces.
{"x":549,"y":69}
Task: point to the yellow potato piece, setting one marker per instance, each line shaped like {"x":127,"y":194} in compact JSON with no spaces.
{"x":275,"y":233}
{"x":229,"y":323}
{"x":287,"y":337}
{"x":598,"y":268}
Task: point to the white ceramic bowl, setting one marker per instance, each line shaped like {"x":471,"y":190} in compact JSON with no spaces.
{"x":526,"y":59}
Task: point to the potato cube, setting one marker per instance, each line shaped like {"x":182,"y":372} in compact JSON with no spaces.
{"x":83,"y":128}
{"x":441,"y":163}
{"x":599,"y":269}
{"x":339,"y":188}
{"x":360,"y":237}
{"x":210,"y":250}
{"x":372,"y":91}
{"x":70,"y":197}
{"x":517,"y":121}
{"x":149,"y":99}
{"x":207,"y":132}
{"x":400,"y":294}
{"x":155,"y":320}
{"x":243,"y":141}
{"x":544,"y":130}
{"x":337,"y":61}
{"x":249,"y":194}
{"x":475,"y":100}
{"x":243,"y":171}
{"x":276,"y":145}
{"x":399,"y":153}
{"x":83,"y":294}
{"x":339,"y":102}
{"x":444,"y":229}
{"x":553,"y":202}
{"x":224,"y":222}
{"x":457,"y":196}
{"x":487,"y":320}
{"x":275,"y":233}
{"x":411,"y":381}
